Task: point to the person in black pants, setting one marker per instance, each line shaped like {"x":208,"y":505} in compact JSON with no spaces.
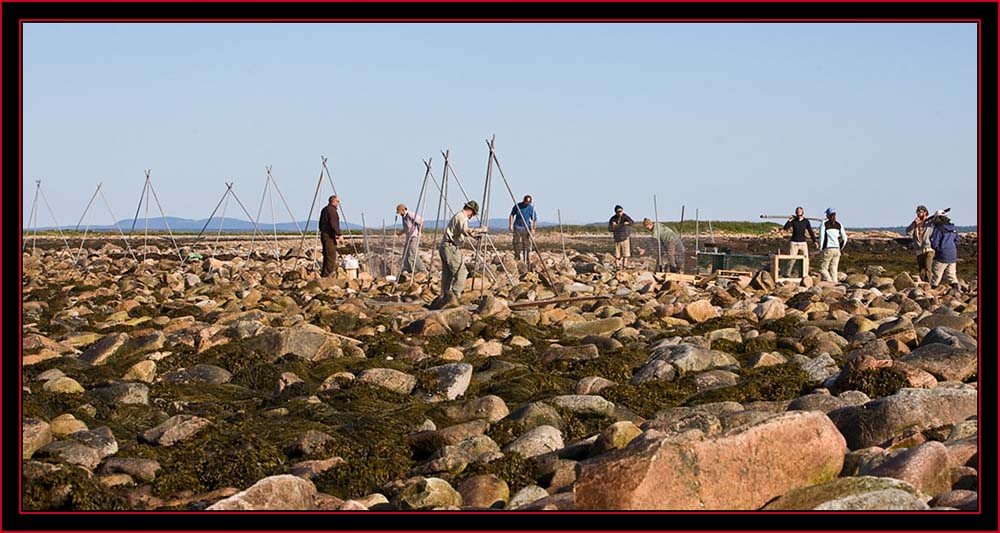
{"x":330,"y":236}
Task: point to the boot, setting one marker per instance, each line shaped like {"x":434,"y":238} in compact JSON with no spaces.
{"x":450,"y":301}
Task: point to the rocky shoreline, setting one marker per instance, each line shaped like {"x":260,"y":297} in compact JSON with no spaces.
{"x":228,"y":384}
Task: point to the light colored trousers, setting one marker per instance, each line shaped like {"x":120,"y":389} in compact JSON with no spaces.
{"x":453,"y":271}
{"x":411,"y":259}
{"x":943,"y":269}
{"x":829,"y":263}
{"x":797,"y":248}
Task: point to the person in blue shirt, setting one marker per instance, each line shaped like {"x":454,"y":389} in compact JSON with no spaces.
{"x":520,"y":215}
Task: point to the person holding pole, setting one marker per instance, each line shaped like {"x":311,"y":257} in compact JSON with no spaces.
{"x":799,"y":225}
{"x":518,"y":225}
{"x":330,"y":235}
{"x":832,"y":239}
{"x":920,"y":230}
{"x":412,"y":225}
{"x":673,"y":247}
{"x":453,"y":270}
{"x":621,"y":226}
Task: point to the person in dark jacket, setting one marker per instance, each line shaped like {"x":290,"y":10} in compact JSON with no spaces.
{"x":621,"y":226}
{"x":944,"y":240}
{"x":330,"y":236}
{"x":799,"y":225}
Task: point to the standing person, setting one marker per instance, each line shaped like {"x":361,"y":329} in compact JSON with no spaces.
{"x":453,"y":270}
{"x":518,"y":225}
{"x":671,"y":245}
{"x":799,"y":225}
{"x":832,"y":239}
{"x":412,"y":226}
{"x":920,"y":230}
{"x":944,"y":240}
{"x":330,"y":235}
{"x":621,"y":226}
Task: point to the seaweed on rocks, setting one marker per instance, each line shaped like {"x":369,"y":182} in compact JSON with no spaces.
{"x":530,"y":386}
{"x":646,"y":398}
{"x":770,"y":383}
{"x":875,"y":382}
{"x":782,"y":327}
{"x":583,"y":425}
{"x":70,"y":488}
{"x":517,"y":471}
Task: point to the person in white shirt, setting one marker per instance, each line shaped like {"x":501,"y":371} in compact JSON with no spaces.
{"x":832,"y":239}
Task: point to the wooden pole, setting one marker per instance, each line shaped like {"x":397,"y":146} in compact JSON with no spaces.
{"x":531,"y":238}
{"x":561,"y":239}
{"x":656,"y":229}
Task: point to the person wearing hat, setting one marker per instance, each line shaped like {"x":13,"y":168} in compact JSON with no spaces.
{"x":520,"y":214}
{"x":412,"y":225}
{"x":621,"y":226}
{"x":671,"y":245}
{"x":832,"y":239}
{"x":453,"y":271}
{"x":944,"y":241}
{"x":920,"y":230}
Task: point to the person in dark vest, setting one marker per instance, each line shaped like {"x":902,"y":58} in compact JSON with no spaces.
{"x":330,"y":235}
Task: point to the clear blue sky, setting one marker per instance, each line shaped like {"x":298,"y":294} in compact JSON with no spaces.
{"x":734,"y":119}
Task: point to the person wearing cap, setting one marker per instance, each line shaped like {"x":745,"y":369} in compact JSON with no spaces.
{"x":920,"y":230}
{"x":799,"y":225}
{"x":671,"y":245}
{"x":518,"y":225}
{"x":453,"y":270}
{"x":832,"y":239}
{"x":944,"y":241}
{"x":620,"y":226}
{"x":330,"y":235}
{"x":412,"y":225}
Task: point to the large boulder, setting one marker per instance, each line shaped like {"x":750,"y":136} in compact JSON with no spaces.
{"x":174,"y":430}
{"x":445,"y":382}
{"x":34,"y":435}
{"x":491,"y":408}
{"x":275,"y":493}
{"x":102,"y":350}
{"x":124,"y":393}
{"x":604,"y":327}
{"x":944,"y":362}
{"x":427,"y":493}
{"x":691,"y":358}
{"x":950,"y":337}
{"x":741,"y":469}
{"x":879,"y":420}
{"x":305,"y":340}
{"x":72,"y":453}
{"x":811,"y":497}
{"x":536,"y":441}
{"x":924,"y":466}
{"x":388,"y":378}
{"x":937,"y":320}
{"x":700,"y":311}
